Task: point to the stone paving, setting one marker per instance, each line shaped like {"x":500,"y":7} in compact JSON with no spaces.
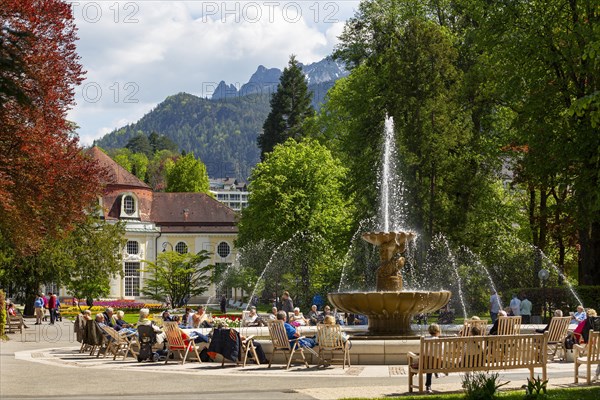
{"x":53,"y":354}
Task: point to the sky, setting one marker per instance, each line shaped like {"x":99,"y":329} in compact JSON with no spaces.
{"x":136,"y":53}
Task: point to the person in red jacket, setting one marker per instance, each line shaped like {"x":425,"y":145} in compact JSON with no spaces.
{"x":52,"y":307}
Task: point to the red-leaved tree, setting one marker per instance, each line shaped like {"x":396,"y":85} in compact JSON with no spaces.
{"x":46,"y":181}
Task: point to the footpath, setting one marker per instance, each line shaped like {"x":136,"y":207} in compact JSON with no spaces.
{"x":45,"y":362}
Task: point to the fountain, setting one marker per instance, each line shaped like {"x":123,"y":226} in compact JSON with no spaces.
{"x":389,"y":309}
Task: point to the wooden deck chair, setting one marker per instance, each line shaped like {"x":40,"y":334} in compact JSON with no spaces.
{"x":469,"y":323}
{"x":176,"y":342}
{"x":119,"y":344}
{"x":246,"y":347}
{"x":282,"y":344}
{"x":93,"y":338}
{"x":331,"y":340}
{"x":509,"y":325}
{"x":592,"y":356}
{"x":557,"y":332}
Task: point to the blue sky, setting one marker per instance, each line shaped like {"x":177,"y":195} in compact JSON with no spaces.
{"x":136,"y":53}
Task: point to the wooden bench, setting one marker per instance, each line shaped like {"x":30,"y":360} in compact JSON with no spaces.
{"x":477,"y":353}
{"x":557,"y":332}
{"x":14,"y":323}
{"x":509,"y":325}
{"x":470,"y":323}
{"x":587,"y":355}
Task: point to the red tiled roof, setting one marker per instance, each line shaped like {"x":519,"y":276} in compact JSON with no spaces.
{"x":191,"y":209}
{"x":116,"y":175}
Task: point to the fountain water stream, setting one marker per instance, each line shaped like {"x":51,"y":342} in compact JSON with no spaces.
{"x":389,"y":309}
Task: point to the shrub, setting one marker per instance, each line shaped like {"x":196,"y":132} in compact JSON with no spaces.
{"x":561,"y":298}
{"x":535,"y":389}
{"x":481,"y":386}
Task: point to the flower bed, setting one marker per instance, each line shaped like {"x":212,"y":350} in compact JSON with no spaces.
{"x":101,"y":306}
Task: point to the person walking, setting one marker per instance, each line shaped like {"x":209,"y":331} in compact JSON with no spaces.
{"x":287,"y":304}
{"x":494,"y":306}
{"x":52,"y":307}
{"x":515,"y":305}
{"x":38,"y":305}
{"x":526,"y":309}
{"x":223,"y":304}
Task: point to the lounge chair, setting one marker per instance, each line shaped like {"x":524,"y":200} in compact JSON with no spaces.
{"x":177,"y":343}
{"x":282,"y":344}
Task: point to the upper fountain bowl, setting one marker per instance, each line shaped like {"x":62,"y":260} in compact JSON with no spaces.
{"x":378,"y":238}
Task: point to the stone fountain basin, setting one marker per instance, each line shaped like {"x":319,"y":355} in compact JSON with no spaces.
{"x":387,"y":304}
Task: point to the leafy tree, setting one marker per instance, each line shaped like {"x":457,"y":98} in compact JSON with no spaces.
{"x":543,"y":67}
{"x":92,"y":256}
{"x":177,"y":277}
{"x":296,"y":200}
{"x":139,"y":165}
{"x":44,"y":178}
{"x":140,"y":144}
{"x":161,"y":142}
{"x":122,"y":157}
{"x":187,"y":174}
{"x":84,"y":262}
{"x":290,"y":106}
{"x":158,"y":167}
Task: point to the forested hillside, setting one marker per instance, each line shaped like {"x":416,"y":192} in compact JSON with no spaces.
{"x":222,"y":133}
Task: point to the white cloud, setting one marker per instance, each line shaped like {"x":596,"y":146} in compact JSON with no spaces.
{"x":138,"y":53}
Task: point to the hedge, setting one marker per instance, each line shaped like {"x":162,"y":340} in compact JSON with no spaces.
{"x":560,"y":298}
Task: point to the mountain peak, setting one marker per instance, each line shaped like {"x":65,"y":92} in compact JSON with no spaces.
{"x":265,"y":80}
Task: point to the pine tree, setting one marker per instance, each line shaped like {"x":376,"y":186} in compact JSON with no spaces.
{"x":290,"y":106}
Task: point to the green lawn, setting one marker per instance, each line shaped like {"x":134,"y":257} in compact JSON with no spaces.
{"x":578,"y":393}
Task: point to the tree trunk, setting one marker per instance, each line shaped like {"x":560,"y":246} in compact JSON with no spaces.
{"x":589,"y":254}
{"x":30,"y":293}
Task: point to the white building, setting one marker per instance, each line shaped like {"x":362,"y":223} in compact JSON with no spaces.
{"x":231,"y":192}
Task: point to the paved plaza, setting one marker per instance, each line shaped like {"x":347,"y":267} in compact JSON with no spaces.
{"x":45,"y":362}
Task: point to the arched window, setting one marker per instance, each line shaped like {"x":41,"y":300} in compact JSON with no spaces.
{"x":133,"y":247}
{"x":129,"y":205}
{"x":223,"y":249}
{"x":181,"y":248}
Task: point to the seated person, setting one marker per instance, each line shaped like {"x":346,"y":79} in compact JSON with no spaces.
{"x":196,"y":336}
{"x":361,"y":319}
{"x":313,"y":315}
{"x":338,"y":317}
{"x":578,"y":316}
{"x":557,"y":313}
{"x":110,"y":320}
{"x":292,"y":333}
{"x":494,"y":329}
{"x":100,"y":320}
{"x":326,"y":312}
{"x":329,"y":320}
{"x":252,"y":318}
{"x":260,"y":353}
{"x":187,"y":317}
{"x":87,"y":315}
{"x":461,"y":332}
{"x":166,"y":316}
{"x":297,"y":319}
{"x":201,"y":319}
{"x":582,"y":332}
{"x":12,"y":311}
{"x":273,"y":314}
{"x":144,"y":320}
{"x":124,"y":327}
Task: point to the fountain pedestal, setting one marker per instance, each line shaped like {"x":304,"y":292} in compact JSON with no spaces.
{"x":389,"y":309}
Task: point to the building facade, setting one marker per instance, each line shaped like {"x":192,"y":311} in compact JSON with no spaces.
{"x":231,"y":192}
{"x":157,"y":222}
